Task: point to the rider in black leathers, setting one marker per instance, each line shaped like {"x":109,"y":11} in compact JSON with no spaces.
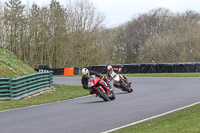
{"x":84,"y":80}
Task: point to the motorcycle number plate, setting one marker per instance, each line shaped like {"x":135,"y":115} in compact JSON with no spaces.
{"x":90,"y":84}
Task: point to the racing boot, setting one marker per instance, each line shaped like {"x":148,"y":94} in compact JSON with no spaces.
{"x":91,"y":92}
{"x":128,"y":81}
{"x":104,"y":85}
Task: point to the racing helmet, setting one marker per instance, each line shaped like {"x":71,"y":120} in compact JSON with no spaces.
{"x":109,"y":68}
{"x":85,"y":72}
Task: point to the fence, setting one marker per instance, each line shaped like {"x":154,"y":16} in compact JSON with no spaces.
{"x":4,"y":89}
{"x":152,"y":68}
{"x":58,"y":71}
{"x":17,"y":88}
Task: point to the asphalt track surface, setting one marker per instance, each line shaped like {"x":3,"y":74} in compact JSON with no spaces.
{"x":151,"y":96}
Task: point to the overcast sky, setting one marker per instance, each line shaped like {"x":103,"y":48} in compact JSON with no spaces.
{"x":120,"y":11}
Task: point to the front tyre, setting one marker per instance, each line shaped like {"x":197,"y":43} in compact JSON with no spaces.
{"x":112,"y":97}
{"x":102,"y":94}
{"x":125,"y":87}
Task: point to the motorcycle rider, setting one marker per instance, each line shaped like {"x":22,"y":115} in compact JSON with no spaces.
{"x":86,"y":73}
{"x":111,"y":74}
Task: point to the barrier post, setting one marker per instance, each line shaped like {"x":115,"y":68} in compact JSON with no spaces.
{"x":51,"y":79}
{"x":11,"y":89}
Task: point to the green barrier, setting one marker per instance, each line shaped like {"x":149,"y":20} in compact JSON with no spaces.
{"x":17,"y":88}
{"x":4,"y":89}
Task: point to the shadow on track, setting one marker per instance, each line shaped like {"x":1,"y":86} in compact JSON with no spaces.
{"x":125,"y":92}
{"x":94,"y":102}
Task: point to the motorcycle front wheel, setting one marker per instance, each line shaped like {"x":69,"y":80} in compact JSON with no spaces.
{"x":112,"y":96}
{"x":102,"y":95}
{"x":125,"y":87}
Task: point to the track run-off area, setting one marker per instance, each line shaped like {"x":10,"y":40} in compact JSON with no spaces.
{"x":150,"y":97}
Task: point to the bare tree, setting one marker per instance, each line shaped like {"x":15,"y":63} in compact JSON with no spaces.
{"x":14,"y":22}
{"x":83,"y":24}
{"x":180,"y":43}
{"x":1,"y":26}
{"x":140,"y":29}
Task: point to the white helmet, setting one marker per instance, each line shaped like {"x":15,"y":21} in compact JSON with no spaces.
{"x":85,"y":71}
{"x":109,"y":68}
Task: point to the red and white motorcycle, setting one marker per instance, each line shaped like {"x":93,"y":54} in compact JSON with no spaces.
{"x":122,"y":83}
{"x":93,"y":83}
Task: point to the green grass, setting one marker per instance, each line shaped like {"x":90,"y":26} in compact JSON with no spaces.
{"x":11,"y":67}
{"x":62,"y":92}
{"x":184,"y":121}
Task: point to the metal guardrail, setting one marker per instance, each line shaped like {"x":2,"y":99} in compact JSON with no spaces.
{"x":17,"y":88}
{"x":4,"y":88}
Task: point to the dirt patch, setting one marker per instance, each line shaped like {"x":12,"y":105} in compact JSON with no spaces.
{"x":36,"y":94}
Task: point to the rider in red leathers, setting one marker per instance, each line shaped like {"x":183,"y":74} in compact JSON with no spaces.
{"x":111,"y":74}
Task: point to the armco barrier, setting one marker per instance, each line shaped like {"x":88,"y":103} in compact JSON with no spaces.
{"x":21,"y":87}
{"x":4,"y":89}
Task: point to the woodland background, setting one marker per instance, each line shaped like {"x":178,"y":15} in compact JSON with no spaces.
{"x":76,"y":35}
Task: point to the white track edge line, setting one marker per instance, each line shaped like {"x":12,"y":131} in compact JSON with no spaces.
{"x":156,"y":116}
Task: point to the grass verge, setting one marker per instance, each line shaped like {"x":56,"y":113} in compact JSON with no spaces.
{"x":11,"y":66}
{"x":184,"y":121}
{"x":62,"y":92}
